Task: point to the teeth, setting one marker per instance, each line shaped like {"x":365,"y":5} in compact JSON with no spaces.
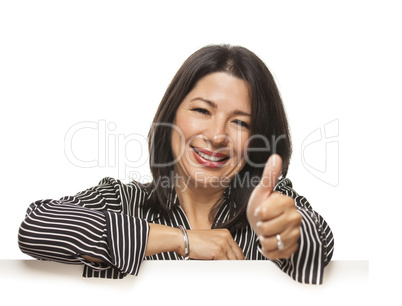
{"x":209,"y":157}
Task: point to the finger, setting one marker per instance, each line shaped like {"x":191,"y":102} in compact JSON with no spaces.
{"x":272,"y":227}
{"x":274,"y":255}
{"x":289,"y":238}
{"x":270,"y":175}
{"x":268,"y":244}
{"x":225,"y":247}
{"x":233,"y":251}
{"x":275,"y":219}
{"x":238,"y":252}
{"x":273,"y":207}
{"x":286,"y":253}
{"x":230,"y":253}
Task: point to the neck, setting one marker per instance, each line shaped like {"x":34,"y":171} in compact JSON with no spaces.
{"x":197,"y":203}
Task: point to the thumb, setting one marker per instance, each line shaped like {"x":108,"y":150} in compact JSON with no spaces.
{"x":270,"y":175}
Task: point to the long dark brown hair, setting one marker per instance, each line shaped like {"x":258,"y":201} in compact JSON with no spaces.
{"x":268,"y":122}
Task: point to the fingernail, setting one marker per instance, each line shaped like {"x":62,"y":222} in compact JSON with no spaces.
{"x":259,"y":223}
{"x":261,"y":238}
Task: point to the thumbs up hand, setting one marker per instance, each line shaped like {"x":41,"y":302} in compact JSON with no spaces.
{"x":274,"y":216}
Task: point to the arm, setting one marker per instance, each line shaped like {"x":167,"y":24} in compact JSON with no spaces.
{"x":161,"y":238}
{"x":164,"y":238}
{"x":89,"y":228}
{"x":204,"y":244}
{"x":315,"y":243}
{"x":88,"y":225}
{"x":308,"y":240}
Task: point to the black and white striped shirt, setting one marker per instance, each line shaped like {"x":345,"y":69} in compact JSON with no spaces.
{"x":111,"y":222}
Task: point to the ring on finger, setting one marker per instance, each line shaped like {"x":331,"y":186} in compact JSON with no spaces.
{"x":279,"y":243}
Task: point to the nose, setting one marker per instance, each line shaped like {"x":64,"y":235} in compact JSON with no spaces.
{"x":216,"y":133}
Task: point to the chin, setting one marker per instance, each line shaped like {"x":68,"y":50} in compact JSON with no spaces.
{"x":203,"y":179}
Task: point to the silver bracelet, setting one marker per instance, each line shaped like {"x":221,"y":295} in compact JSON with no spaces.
{"x":186,"y":243}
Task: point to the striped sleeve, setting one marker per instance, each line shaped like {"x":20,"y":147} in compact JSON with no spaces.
{"x":61,"y":232}
{"x":127,"y":238}
{"x":316,"y":242}
{"x":89,"y":223}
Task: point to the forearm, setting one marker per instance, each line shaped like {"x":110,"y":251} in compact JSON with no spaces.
{"x":161,"y":238}
{"x":63,"y":232}
{"x":72,"y":234}
{"x":164,"y":238}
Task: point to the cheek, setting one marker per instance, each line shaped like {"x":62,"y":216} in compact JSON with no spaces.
{"x":240,"y":144}
{"x":187,"y":127}
{"x":182,"y":130}
{"x":176,"y":143}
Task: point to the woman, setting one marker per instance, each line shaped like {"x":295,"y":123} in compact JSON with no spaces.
{"x":219,"y":154}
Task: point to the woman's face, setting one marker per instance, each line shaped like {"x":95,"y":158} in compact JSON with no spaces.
{"x":211,"y":129}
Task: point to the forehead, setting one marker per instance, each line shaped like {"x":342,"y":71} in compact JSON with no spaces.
{"x":224,"y":90}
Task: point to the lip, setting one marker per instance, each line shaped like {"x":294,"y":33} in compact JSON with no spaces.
{"x":213,"y":154}
{"x":207,"y":163}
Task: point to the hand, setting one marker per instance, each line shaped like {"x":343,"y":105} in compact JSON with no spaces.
{"x":271,"y":213}
{"x":204,"y":244}
{"x":213,"y":244}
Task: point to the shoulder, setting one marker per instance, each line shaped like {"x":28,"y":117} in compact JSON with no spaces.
{"x":119,"y":185}
{"x":131,"y":187}
{"x":131,"y":196}
{"x":127,"y":192}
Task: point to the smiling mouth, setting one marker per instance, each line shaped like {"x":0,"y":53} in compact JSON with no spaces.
{"x":214,"y":157}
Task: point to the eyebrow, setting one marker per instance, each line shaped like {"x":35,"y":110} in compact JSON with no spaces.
{"x":213,"y":104}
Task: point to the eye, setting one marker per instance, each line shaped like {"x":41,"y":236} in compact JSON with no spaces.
{"x":201,"y":111}
{"x":241,"y":123}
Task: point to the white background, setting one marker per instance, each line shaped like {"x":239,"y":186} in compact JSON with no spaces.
{"x":66,"y":62}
